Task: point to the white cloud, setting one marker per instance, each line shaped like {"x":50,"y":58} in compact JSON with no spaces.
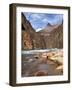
{"x":45,"y":20}
{"x":35,"y":16}
{"x":38,"y":29}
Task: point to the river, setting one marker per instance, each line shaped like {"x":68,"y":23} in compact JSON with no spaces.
{"x":35,"y":65}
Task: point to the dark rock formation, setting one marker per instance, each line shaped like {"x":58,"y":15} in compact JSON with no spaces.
{"x":53,"y":39}
{"x":56,"y":38}
{"x":30,"y":39}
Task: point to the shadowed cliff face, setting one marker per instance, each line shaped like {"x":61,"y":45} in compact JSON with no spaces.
{"x":30,"y":39}
{"x":57,"y":37}
{"x":53,"y":39}
{"x":40,"y":40}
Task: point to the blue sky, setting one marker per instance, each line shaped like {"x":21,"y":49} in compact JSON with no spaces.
{"x":40,"y":20}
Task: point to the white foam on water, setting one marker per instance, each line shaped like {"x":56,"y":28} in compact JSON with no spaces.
{"x":38,"y":51}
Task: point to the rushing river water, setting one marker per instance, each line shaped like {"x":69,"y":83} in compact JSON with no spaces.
{"x":35,"y":65}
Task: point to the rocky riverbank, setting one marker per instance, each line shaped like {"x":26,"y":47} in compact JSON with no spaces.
{"x":43,"y":63}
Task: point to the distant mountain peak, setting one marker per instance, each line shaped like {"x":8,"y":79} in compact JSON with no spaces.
{"x":49,"y":24}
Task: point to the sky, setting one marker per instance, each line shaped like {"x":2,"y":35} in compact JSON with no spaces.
{"x":40,"y":20}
